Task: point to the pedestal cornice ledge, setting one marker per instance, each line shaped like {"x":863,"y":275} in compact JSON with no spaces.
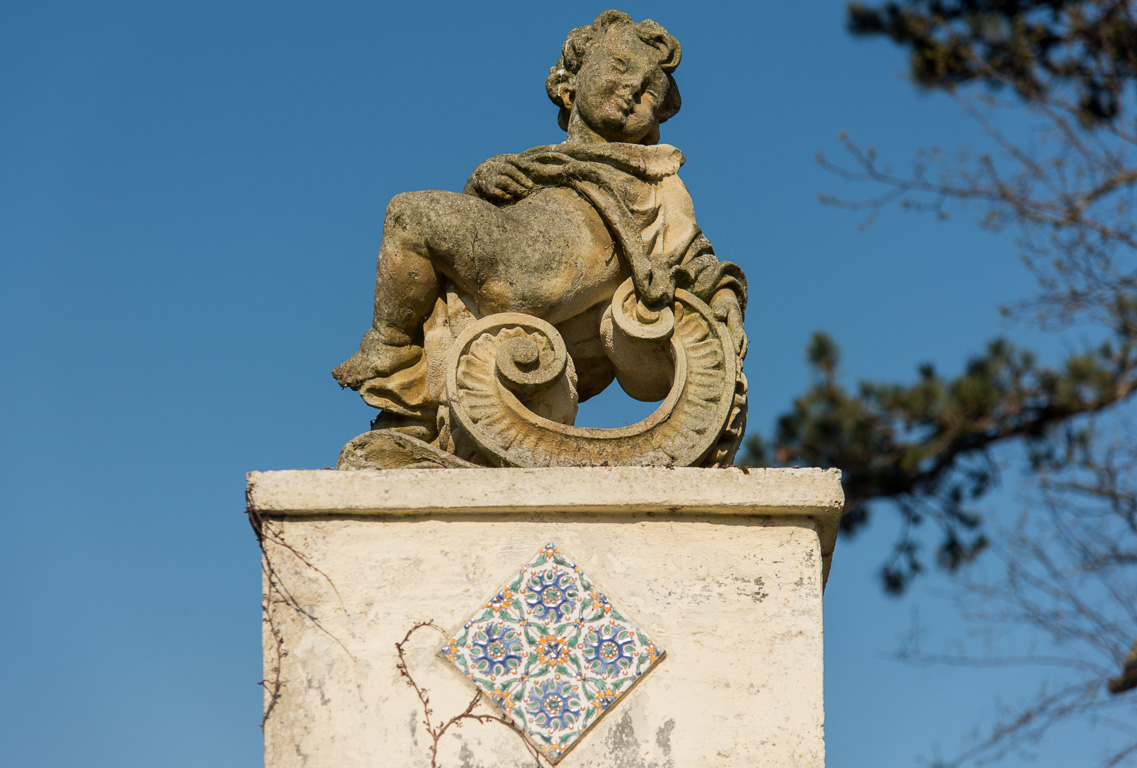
{"x":788,"y":494}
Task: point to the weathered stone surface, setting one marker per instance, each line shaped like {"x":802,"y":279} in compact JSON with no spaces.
{"x":495,"y":414}
{"x":552,"y":234}
{"x":391,"y":449}
{"x":723,"y":569}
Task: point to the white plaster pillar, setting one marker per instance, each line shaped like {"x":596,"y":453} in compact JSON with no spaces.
{"x":722,"y":569}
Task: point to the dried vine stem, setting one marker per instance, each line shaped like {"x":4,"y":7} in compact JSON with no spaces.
{"x":263,"y":532}
{"x":436,"y":731}
{"x":271,"y":683}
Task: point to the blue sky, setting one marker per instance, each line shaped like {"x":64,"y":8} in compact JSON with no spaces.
{"x":191,"y":198}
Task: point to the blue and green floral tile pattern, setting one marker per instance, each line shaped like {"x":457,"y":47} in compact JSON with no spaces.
{"x":552,"y":652}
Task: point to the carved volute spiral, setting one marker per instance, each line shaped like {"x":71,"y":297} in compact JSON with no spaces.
{"x":508,"y":372}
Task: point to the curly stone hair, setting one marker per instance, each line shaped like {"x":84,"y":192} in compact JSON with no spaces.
{"x":579,"y":42}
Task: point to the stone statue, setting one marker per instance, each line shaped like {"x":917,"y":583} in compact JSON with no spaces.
{"x":555,"y":271}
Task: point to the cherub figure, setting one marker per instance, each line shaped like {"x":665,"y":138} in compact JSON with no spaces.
{"x":550,"y":232}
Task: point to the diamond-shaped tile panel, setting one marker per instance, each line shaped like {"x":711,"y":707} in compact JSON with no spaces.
{"x":552,"y":652}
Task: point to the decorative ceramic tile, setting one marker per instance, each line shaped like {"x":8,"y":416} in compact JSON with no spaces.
{"x":552,"y":652}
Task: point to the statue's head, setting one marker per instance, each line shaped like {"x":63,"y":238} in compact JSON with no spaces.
{"x":615,"y":76}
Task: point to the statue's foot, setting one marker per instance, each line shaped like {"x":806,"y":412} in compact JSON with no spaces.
{"x":375,"y":359}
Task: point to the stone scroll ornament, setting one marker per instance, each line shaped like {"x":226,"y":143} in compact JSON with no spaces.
{"x":555,"y":272}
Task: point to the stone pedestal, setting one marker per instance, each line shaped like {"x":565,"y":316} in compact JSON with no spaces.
{"x":722,"y":569}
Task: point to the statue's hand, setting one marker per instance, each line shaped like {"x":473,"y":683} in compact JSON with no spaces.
{"x":726,"y":308}
{"x":500,"y":180}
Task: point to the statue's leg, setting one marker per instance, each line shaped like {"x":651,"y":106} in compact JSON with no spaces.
{"x":425,"y":234}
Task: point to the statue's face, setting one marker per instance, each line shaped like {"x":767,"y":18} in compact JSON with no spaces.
{"x":620,"y":88}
